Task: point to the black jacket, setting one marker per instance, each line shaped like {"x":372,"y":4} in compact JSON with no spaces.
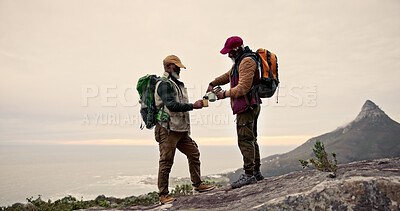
{"x":167,"y":94}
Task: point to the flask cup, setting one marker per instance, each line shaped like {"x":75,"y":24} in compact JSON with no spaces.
{"x":205,"y":101}
{"x":212,"y":97}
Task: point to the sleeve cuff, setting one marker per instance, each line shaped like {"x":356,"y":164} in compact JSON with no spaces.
{"x":228,"y":93}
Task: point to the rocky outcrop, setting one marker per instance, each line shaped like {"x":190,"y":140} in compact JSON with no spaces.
{"x":364,"y":185}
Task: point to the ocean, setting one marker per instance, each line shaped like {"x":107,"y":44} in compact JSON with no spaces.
{"x":84,"y":172}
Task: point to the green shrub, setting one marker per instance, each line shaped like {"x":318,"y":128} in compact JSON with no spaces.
{"x":218,"y":185}
{"x":322,"y":163}
{"x":147,"y":199}
{"x":182,"y":190}
{"x":71,"y":203}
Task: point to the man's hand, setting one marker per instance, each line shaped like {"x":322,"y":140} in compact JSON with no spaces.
{"x":220,"y":95}
{"x":210,"y":88}
{"x":198,"y":104}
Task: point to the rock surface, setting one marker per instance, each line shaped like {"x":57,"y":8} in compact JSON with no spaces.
{"x":364,"y":185}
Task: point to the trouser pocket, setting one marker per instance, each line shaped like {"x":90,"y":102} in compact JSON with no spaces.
{"x":245,"y":126}
{"x":160,"y":133}
{"x":246,"y":140}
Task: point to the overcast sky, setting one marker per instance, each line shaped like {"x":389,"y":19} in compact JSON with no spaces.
{"x":68,"y":69}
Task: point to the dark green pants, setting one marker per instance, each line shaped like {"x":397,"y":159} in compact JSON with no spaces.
{"x":246,"y":127}
{"x":168,"y":143}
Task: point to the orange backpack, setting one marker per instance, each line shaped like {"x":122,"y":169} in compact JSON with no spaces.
{"x":268,"y":67}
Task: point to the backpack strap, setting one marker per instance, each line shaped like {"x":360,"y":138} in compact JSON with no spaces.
{"x":162,"y":117}
{"x":252,"y":91}
{"x":173,"y":84}
{"x":163,"y":79}
{"x":248,"y":54}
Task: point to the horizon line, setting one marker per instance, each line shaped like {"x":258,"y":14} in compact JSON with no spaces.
{"x":203,"y":141}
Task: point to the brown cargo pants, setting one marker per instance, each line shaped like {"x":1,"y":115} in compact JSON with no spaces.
{"x":246,"y":127}
{"x":168,"y":143}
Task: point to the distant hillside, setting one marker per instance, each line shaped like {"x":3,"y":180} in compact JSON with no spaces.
{"x":372,"y":135}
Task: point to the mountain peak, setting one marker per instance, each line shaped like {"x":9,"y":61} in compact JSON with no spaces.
{"x":370,"y":110}
{"x":369,"y":105}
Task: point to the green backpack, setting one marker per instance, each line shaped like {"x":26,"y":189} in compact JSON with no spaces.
{"x":146,"y":87}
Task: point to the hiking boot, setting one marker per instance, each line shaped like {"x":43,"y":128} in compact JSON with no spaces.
{"x":244,"y":179}
{"x":258,"y":176}
{"x":203,"y":188}
{"x":166,"y":199}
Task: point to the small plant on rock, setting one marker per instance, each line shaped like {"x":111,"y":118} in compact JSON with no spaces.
{"x":182,"y":190}
{"x":218,"y":185}
{"x":322,"y":163}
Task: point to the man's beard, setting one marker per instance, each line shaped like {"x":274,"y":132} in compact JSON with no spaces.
{"x":234,"y":57}
{"x":175,"y":75}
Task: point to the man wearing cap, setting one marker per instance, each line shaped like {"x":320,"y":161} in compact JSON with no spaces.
{"x":172,"y":98}
{"x":242,"y":76}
